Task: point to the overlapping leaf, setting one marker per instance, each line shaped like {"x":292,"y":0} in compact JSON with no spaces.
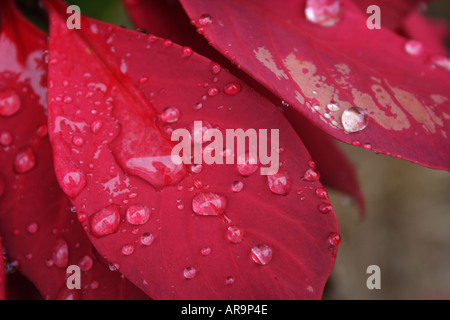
{"x":42,"y":237}
{"x":110,"y":130}
{"x":401,"y":99}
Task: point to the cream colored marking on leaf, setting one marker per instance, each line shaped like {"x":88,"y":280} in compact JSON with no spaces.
{"x":265,"y":57}
{"x":437,"y":98}
{"x":391,"y":117}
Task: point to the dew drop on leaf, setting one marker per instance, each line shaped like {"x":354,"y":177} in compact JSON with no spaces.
{"x":261,"y":254}
{"x":235,"y":234}
{"x":137,"y":214}
{"x":247,"y":164}
{"x":205,"y":20}
{"x":9,"y":103}
{"x":279,"y":183}
{"x":414,"y":48}
{"x":208,"y":204}
{"x":105,"y":222}
{"x":61,"y":253}
{"x":189,"y":272}
{"x":25,"y":160}
{"x":127,"y":249}
{"x":325,"y":13}
{"x":354,"y":119}
{"x":147,"y":239}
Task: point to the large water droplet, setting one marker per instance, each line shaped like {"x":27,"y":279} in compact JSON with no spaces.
{"x":354,"y":119}
{"x":326,"y":13}
{"x":61,"y":253}
{"x":208,"y":204}
{"x":247,"y":164}
{"x":279,"y":183}
{"x":261,"y":254}
{"x":9,"y":103}
{"x":189,"y":272}
{"x":232,"y":88}
{"x":137,"y":214}
{"x":105,"y":221}
{"x":235,"y":234}
{"x":25,"y":160}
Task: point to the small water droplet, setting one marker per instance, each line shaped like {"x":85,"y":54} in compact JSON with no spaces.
{"x":25,"y":160}
{"x":279,"y":183}
{"x":82,"y":217}
{"x":147,"y":239}
{"x":311,"y":175}
{"x":229,"y":280}
{"x":127,"y":249}
{"x":32,"y":227}
{"x":208,"y":204}
{"x":78,"y":141}
{"x":73,"y":182}
{"x":232,"y":88}
{"x":213,"y":91}
{"x":6,"y":138}
{"x":333,"y":106}
{"x":215,"y":67}
{"x":9,"y":103}
{"x":237,"y":186}
{"x":196,"y":168}
{"x":61,"y":253}
{"x":326,"y":13}
{"x":325,"y":207}
{"x":322,"y":193}
{"x":205,"y":20}
{"x":235,"y":234}
{"x":414,"y":48}
{"x":354,"y":119}
{"x":189,"y":272}
{"x":96,"y":125}
{"x":170,"y":114}
{"x":86,"y":263}
{"x":137,"y":214}
{"x":261,"y":254}
{"x":187,"y":51}
{"x":205,"y":251}
{"x":334,"y":238}
{"x":247,"y":164}
{"x":105,"y":222}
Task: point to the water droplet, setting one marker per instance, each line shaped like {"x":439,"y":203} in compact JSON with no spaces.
{"x":215,"y":67}
{"x":187,"y":51}
{"x":354,"y":119}
{"x":170,"y":114}
{"x":96,"y":125}
{"x":213,"y":91}
{"x":32,"y":227}
{"x":61,"y":253}
{"x":196,"y":168}
{"x":367,"y":146}
{"x":105,"y":221}
{"x":311,"y":175}
{"x":229,"y":280}
{"x":279,"y":183}
{"x":232,"y":88}
{"x":168,"y":43}
{"x":235,"y":234}
{"x":9,"y":103}
{"x":208,"y":204}
{"x":86,"y":263}
{"x":42,"y":131}
{"x":247,"y":164}
{"x":78,"y":141}
{"x":147,"y":239}
{"x":237,"y":186}
{"x":326,"y":13}
{"x":325,"y":207}
{"x":81,"y":216}
{"x":414,"y":48}
{"x":137,"y":214}
{"x":6,"y":138}
{"x":127,"y":249}
{"x":205,"y":251}
{"x":334,"y":238}
{"x":322,"y":193}
{"x":25,"y":160}
{"x":205,"y":20}
{"x":189,"y":273}
{"x":73,"y":182}
{"x":333,"y":106}
{"x":261,"y":254}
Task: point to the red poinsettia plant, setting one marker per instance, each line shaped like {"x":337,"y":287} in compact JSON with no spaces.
{"x":89,"y":182}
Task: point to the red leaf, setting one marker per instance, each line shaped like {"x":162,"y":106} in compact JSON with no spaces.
{"x":2,"y":274}
{"x":190,"y":247}
{"x":41,"y":235}
{"x":318,"y":69}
